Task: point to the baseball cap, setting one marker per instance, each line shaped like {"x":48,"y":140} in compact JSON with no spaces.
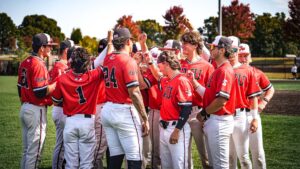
{"x":121,"y":33}
{"x":172,"y":45}
{"x":222,"y":42}
{"x":155,"y":52}
{"x":41,"y":39}
{"x":244,"y":48}
{"x":66,"y":44}
{"x":102,"y":45}
{"x":235,"y":41}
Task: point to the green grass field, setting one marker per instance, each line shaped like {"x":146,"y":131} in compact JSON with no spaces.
{"x":281,"y":133}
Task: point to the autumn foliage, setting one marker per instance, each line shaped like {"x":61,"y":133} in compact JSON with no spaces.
{"x":238,"y":20}
{"x":127,"y":22}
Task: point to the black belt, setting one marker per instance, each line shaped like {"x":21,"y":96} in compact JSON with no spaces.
{"x":241,"y":109}
{"x":165,"y":124}
{"x":85,"y":116}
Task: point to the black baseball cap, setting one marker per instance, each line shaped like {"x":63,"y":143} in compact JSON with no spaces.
{"x":102,"y":45}
{"x":222,"y":42}
{"x":41,"y":39}
{"x":66,"y":44}
{"x":122,"y":33}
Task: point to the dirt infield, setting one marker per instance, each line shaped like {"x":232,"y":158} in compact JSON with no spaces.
{"x":285,"y":102}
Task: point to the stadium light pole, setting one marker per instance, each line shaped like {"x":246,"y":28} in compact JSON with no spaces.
{"x":220,"y":18}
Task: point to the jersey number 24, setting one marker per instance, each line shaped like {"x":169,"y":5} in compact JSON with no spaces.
{"x":110,"y":77}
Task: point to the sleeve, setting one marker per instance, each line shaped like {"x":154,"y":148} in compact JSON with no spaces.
{"x":100,"y":59}
{"x":97,"y":73}
{"x":131,"y":74}
{"x":253,"y":88}
{"x":264,"y":82}
{"x":184,"y":93}
{"x":224,"y":84}
{"x":57,"y":94}
{"x":149,"y":79}
{"x":39,"y":80}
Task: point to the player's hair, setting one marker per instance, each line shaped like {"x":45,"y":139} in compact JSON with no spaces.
{"x":119,"y":43}
{"x":193,"y":38}
{"x":80,"y":60}
{"x":36,"y":48}
{"x":171,"y":58}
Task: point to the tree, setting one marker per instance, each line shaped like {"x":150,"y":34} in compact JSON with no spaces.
{"x":238,"y":20}
{"x":153,"y":30}
{"x":90,"y":44}
{"x":33,"y":24}
{"x":292,"y":27}
{"x":210,"y":29}
{"x":8,"y":31}
{"x":172,"y":19}
{"x":76,"y":35}
{"x":269,"y":37}
{"x":127,"y":22}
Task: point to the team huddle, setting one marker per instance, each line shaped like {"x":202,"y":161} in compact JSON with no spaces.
{"x":144,"y":104}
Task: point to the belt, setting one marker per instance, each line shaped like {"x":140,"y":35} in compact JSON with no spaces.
{"x":165,"y":124}
{"x":240,"y":110}
{"x":84,"y":115}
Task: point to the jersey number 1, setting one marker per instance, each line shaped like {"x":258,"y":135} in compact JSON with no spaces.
{"x":80,"y":94}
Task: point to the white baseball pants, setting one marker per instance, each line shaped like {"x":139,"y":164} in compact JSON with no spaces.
{"x":218,"y":130}
{"x":239,"y":142}
{"x":59,"y":120}
{"x":256,"y":144}
{"x":101,"y":143}
{"x":199,"y":137}
{"x":33,"y":121}
{"x":123,"y":130}
{"x":174,"y":156}
{"x":79,"y":141}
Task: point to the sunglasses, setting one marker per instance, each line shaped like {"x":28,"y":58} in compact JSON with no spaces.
{"x":213,"y":46}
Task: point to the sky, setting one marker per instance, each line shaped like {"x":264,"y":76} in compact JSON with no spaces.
{"x":96,"y":17}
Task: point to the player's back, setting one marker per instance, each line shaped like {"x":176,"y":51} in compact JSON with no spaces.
{"x":120,"y":73}
{"x":79,"y":91}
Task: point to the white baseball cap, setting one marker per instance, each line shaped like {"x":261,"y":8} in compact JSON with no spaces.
{"x":235,"y":41}
{"x":244,"y":48}
{"x":172,"y":45}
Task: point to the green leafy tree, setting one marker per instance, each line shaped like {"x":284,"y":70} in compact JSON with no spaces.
{"x":210,"y":29}
{"x":292,"y":27}
{"x":33,"y":24}
{"x":90,"y":44}
{"x":76,"y":35}
{"x":8,"y":32}
{"x":269,"y":36}
{"x":153,"y":30}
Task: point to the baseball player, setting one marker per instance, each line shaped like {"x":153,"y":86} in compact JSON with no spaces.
{"x":218,"y":103}
{"x":175,"y":110}
{"x":101,"y":143}
{"x":121,"y":113}
{"x":59,"y":67}
{"x":34,"y":89}
{"x":154,"y":102}
{"x":192,"y":45}
{"x":77,"y":89}
{"x":255,"y":139}
{"x":247,"y":91}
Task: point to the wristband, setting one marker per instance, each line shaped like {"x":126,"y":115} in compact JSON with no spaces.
{"x":254,"y":113}
{"x":266,"y":100}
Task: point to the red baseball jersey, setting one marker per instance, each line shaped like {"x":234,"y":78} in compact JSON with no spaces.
{"x":78,"y":91}
{"x":202,"y":71}
{"x":120,"y":73}
{"x":33,"y":76}
{"x":221,"y":84}
{"x":101,"y":95}
{"x":59,"y":68}
{"x":176,"y":92}
{"x":246,"y":86}
{"x":263,"y":81}
{"x":155,"y":95}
